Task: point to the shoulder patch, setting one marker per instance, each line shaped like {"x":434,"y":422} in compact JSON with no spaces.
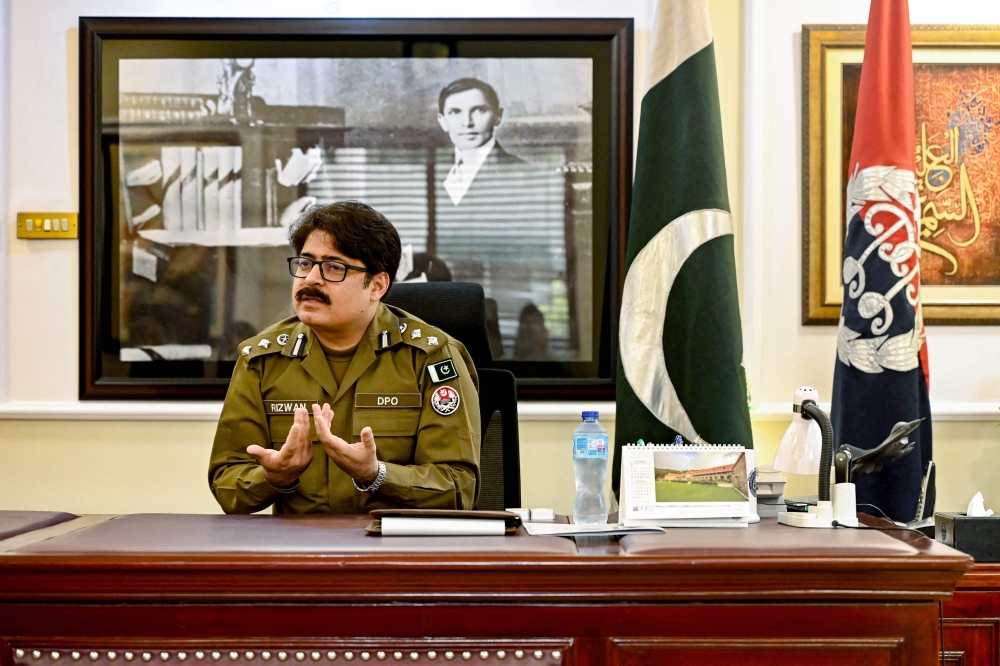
{"x":442,"y":371}
{"x":445,"y":400}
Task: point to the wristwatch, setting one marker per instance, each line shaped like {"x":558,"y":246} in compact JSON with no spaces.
{"x":374,"y":485}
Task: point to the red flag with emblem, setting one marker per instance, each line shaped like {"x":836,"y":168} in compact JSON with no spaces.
{"x":881,"y":373}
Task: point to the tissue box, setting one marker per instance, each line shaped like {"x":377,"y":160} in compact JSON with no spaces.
{"x":978,"y":536}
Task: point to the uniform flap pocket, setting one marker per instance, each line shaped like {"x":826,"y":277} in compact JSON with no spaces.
{"x":387,"y":422}
{"x":280,"y":425}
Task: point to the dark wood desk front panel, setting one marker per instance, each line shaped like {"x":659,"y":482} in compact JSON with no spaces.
{"x":972,"y":618}
{"x":267,"y":591}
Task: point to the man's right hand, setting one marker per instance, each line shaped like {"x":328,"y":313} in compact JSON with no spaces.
{"x":283,"y":466}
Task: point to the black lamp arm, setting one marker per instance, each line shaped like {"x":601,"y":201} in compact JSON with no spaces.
{"x":810,"y":410}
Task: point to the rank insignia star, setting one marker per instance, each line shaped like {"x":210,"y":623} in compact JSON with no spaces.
{"x":246,"y":350}
{"x":265,"y":343}
{"x":415,"y":334}
{"x":283,"y":339}
{"x":432,"y":340}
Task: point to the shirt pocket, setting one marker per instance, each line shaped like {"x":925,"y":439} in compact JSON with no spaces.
{"x":279,"y":425}
{"x":395,"y":432}
{"x":387,"y":422}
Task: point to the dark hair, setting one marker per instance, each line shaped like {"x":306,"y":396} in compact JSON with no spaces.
{"x":461,"y":85}
{"x":357,"y":230}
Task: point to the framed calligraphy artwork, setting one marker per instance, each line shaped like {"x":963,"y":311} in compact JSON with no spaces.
{"x":204,"y":140}
{"x":957,"y":91}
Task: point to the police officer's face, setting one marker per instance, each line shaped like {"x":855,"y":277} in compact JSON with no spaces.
{"x":469,"y":119}
{"x":335,"y":306}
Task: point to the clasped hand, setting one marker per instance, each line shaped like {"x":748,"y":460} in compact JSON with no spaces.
{"x":283,"y":466}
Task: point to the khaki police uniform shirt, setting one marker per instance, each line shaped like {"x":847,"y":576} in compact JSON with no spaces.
{"x":413,"y":385}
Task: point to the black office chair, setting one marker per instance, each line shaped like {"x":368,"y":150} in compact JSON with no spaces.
{"x":459,"y":309}
{"x":499,"y":455}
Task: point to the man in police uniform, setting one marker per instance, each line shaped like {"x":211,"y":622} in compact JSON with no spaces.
{"x":350,"y":405}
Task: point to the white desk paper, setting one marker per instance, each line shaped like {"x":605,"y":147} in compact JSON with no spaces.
{"x":394,"y":526}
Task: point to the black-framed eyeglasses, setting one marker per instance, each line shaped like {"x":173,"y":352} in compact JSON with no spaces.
{"x":331,"y":269}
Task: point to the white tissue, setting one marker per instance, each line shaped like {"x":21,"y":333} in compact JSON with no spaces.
{"x":976,"y":507}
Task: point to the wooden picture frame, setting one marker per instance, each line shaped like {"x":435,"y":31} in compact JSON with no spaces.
{"x":152,"y":260}
{"x":955,"y":135}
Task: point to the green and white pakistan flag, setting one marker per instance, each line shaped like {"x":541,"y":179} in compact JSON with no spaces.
{"x":680,"y":366}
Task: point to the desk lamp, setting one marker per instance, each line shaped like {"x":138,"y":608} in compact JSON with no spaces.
{"x":807,"y":448}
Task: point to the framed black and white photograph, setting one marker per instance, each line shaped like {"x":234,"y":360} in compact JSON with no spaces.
{"x":500,"y":151}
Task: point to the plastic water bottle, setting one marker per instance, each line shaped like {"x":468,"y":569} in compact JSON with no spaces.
{"x":590,"y":460}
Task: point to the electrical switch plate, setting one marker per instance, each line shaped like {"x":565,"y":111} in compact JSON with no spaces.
{"x":46,"y":225}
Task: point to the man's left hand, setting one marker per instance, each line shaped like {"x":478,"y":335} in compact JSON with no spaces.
{"x":359,"y":460}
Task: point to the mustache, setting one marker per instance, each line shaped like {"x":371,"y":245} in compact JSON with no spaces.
{"x":311,"y":292}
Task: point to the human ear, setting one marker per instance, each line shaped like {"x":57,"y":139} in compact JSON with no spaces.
{"x":442,"y":123}
{"x":379,"y":285}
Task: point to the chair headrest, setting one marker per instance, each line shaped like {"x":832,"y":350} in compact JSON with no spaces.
{"x":457,"y":308}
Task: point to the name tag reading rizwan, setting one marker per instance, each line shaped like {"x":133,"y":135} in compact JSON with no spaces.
{"x":387,"y":400}
{"x":274,"y":407}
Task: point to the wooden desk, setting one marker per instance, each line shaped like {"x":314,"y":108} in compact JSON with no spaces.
{"x":280,"y":591}
{"x":972,"y":619}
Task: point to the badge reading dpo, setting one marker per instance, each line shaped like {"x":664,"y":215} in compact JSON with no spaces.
{"x":445,"y":400}
{"x":442,"y":371}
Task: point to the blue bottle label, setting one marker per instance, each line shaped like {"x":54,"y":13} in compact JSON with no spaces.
{"x":590,"y":446}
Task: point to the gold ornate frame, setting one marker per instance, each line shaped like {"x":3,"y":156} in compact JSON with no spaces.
{"x":825,"y":49}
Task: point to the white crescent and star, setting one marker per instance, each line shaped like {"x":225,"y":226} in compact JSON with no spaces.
{"x":644,"y":307}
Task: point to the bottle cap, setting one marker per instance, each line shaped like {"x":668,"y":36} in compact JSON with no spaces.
{"x":591,"y":415}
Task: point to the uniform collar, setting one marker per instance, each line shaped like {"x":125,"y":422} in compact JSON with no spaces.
{"x":314,"y":360}
{"x":293,"y":335}
{"x":370,"y":344}
{"x":384,"y":321}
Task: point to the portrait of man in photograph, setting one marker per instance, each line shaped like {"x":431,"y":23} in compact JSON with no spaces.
{"x":490,"y":182}
{"x":469,"y":111}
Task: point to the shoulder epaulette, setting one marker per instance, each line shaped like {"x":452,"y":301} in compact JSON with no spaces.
{"x":271,"y":341}
{"x":422,"y":335}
